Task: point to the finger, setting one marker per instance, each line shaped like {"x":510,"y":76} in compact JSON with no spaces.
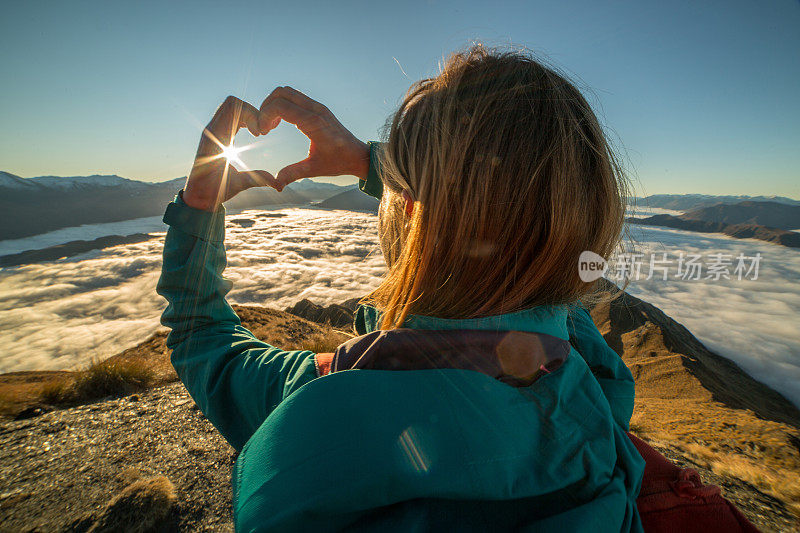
{"x":265,"y":125}
{"x":301,"y":169}
{"x":249,"y":119}
{"x":297,"y":98}
{"x":245,"y":115}
{"x":280,"y":108}
{"x":232,"y":115}
{"x":276,"y":93}
{"x":246,"y":179}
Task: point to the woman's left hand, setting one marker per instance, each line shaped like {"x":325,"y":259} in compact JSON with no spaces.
{"x":333,"y":151}
{"x":213,"y":180}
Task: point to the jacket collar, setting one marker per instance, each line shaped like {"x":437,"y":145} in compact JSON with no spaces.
{"x":516,"y":348}
{"x":514,"y":357}
{"x":548,"y":319}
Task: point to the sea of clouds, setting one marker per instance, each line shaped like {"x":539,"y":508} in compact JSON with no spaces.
{"x":753,"y":322}
{"x":62,"y":314}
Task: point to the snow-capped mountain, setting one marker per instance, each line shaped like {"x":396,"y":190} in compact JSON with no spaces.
{"x":29,"y":206}
{"x":685,"y":202}
{"x":74,"y":183}
{"x":82,"y":182}
{"x":13,"y":182}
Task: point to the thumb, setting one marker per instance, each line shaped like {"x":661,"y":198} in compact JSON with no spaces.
{"x":295,"y":171}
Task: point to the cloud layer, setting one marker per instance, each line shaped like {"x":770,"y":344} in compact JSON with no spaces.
{"x":751,"y":322}
{"x":63,"y":314}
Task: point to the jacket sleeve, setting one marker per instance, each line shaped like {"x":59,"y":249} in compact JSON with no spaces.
{"x":236,"y":379}
{"x":373,"y":184}
{"x":607,"y":366}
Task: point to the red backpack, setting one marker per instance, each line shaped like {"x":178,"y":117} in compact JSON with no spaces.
{"x":674,"y":499}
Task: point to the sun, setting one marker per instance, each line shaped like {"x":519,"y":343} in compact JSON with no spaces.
{"x":231,"y":153}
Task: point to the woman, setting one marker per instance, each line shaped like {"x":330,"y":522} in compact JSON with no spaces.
{"x":462,"y":404}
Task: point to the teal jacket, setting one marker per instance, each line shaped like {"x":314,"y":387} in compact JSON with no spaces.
{"x":416,"y":450}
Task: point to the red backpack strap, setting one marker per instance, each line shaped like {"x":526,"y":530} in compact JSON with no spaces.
{"x":323,"y":362}
{"x":674,"y":499}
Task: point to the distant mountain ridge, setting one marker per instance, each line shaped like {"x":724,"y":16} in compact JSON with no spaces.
{"x":12,"y":181}
{"x":765,"y":221}
{"x":351,"y":200}
{"x":772,"y":214}
{"x":685,"y":202}
{"x":31,"y":206}
{"x":738,"y":231}
{"x":317,"y":191}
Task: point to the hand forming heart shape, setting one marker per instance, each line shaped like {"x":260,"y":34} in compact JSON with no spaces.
{"x":333,"y":150}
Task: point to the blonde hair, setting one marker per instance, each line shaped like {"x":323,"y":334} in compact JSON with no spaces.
{"x":511,"y":178}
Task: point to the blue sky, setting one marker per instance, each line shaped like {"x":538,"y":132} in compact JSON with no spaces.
{"x":701,"y":97}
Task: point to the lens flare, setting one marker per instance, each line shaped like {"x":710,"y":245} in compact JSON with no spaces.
{"x":231,"y":154}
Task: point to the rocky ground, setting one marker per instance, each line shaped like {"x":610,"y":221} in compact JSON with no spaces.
{"x":61,"y":469}
{"x":151,"y":461}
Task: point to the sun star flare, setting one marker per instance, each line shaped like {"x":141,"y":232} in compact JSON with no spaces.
{"x":231,"y":153}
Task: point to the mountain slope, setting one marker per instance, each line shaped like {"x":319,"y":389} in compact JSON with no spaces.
{"x":73,"y":183}
{"x":685,"y":202}
{"x":738,"y":231}
{"x":38,"y":205}
{"x":351,"y":200}
{"x":772,"y":214}
{"x":701,"y":406}
{"x":12,"y":182}
{"x":316,"y":191}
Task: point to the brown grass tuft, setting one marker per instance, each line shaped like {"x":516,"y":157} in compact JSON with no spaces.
{"x":99,"y":380}
{"x":770,"y":478}
{"x":112,"y":378}
{"x":324,"y":341}
{"x":139,"y":507}
{"x":53,"y":392}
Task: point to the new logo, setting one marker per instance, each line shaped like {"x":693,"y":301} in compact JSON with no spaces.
{"x":591,"y":266}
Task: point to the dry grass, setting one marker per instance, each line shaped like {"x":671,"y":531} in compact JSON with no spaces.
{"x":99,"y":380}
{"x":139,"y":507}
{"x":113,"y":379}
{"x":20,"y":391}
{"x":732,"y":443}
{"x":53,"y":392}
{"x":324,"y":341}
{"x":770,"y":479}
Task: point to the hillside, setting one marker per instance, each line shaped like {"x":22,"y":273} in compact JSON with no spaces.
{"x":782,"y":237}
{"x":70,"y":249}
{"x":699,"y":409}
{"x":351,"y":200}
{"x":30,"y":206}
{"x":686,"y":202}
{"x":772,"y":214}
{"x":317,"y":191}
